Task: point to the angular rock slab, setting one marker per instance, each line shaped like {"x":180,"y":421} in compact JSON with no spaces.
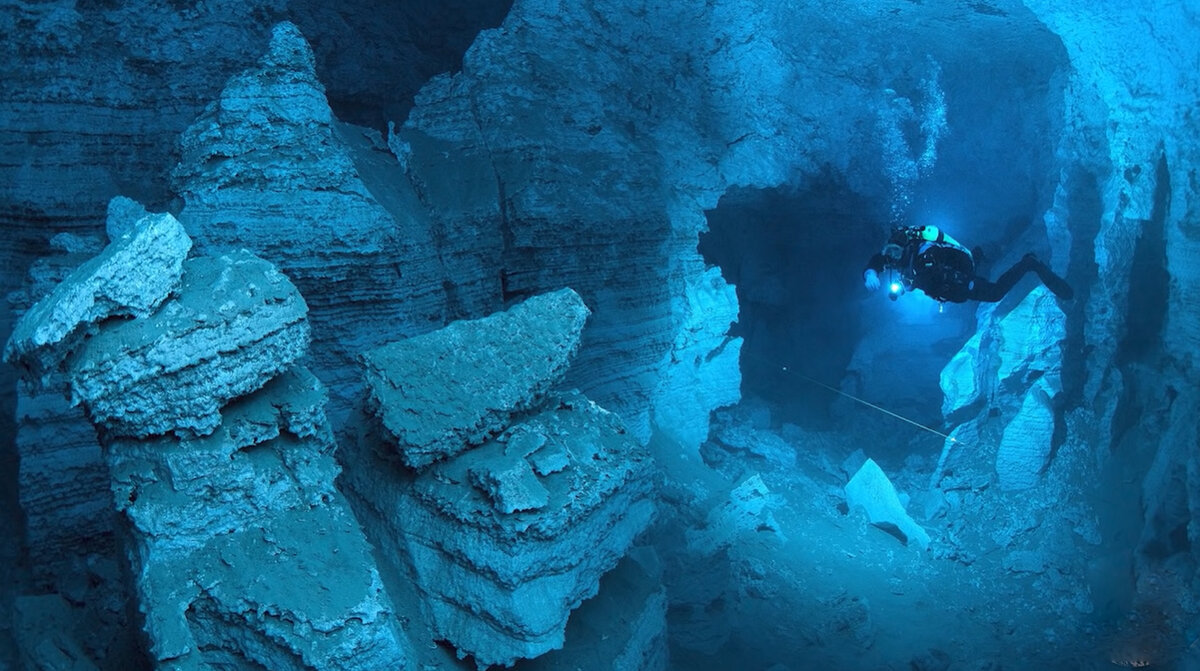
{"x":871,"y":489}
{"x":440,"y":393}
{"x":236,"y":323}
{"x":243,"y":551}
{"x":501,"y":585}
{"x":130,"y":278}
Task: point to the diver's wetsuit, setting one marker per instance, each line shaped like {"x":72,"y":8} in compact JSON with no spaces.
{"x":937,"y":265}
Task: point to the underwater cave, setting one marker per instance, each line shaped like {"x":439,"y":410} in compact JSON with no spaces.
{"x":539,"y":335}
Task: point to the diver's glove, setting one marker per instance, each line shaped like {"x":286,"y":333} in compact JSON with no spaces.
{"x":871,"y":279}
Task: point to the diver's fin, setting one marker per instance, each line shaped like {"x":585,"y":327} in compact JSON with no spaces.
{"x":1053,"y":282}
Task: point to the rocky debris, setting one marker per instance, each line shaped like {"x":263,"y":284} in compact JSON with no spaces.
{"x":243,"y":549}
{"x":236,"y":323}
{"x":130,"y":278}
{"x":744,"y":440}
{"x":871,"y":490}
{"x":487,"y":371}
{"x":1010,"y":370}
{"x":748,"y":509}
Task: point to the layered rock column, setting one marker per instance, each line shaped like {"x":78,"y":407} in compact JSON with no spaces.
{"x":268,"y":167}
{"x":220,"y":454}
{"x":507,"y":500}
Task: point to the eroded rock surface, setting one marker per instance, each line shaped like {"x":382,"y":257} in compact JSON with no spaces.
{"x":242,"y":550}
{"x":245,"y":550}
{"x":130,"y":278}
{"x":508,"y":538}
{"x":534,"y":495}
{"x":486,"y":371}
{"x":268,"y":168}
{"x":1014,"y":363}
{"x":237,"y":323}
{"x":871,"y":490}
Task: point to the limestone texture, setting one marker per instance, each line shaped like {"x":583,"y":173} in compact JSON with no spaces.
{"x":533,"y":496}
{"x":622,"y":628}
{"x":130,"y":278}
{"x":236,"y":323}
{"x":1004,"y":382}
{"x":501,"y":560}
{"x":486,"y":371}
{"x":244,"y":551}
{"x":62,"y":481}
{"x":267,"y":167}
{"x":871,"y":490}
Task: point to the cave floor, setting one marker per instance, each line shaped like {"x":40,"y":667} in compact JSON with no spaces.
{"x":828,"y":590}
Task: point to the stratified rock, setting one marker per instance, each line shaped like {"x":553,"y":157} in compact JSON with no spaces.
{"x":440,"y":393}
{"x":268,"y":168}
{"x":622,"y":628}
{"x":871,"y":490}
{"x":243,"y":550}
{"x":63,"y":482}
{"x":506,"y":539}
{"x":130,"y":278}
{"x":237,"y":322}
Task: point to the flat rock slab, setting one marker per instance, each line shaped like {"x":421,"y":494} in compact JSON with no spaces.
{"x":236,"y":323}
{"x":131,"y":277}
{"x":441,"y":393}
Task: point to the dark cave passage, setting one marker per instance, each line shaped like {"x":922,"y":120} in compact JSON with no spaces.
{"x":796,"y":253}
{"x":795,"y":258}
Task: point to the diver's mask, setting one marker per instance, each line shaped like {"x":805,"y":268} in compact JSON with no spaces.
{"x":893,"y":252}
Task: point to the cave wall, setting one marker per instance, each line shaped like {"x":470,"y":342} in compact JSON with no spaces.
{"x":1130,"y":131}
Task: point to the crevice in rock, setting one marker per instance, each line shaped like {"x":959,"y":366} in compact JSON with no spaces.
{"x":1149,"y":281}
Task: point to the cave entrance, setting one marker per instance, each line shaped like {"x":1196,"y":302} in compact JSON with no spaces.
{"x":796,"y":258}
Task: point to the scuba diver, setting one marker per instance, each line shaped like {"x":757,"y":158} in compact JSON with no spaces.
{"x":925,"y":258}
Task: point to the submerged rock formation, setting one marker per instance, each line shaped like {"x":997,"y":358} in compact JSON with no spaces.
{"x":533,"y":495}
{"x":244,"y":551}
{"x":240,"y":547}
{"x":488,"y":370}
{"x":1006,"y":383}
{"x":267,"y":167}
{"x":130,"y":278}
